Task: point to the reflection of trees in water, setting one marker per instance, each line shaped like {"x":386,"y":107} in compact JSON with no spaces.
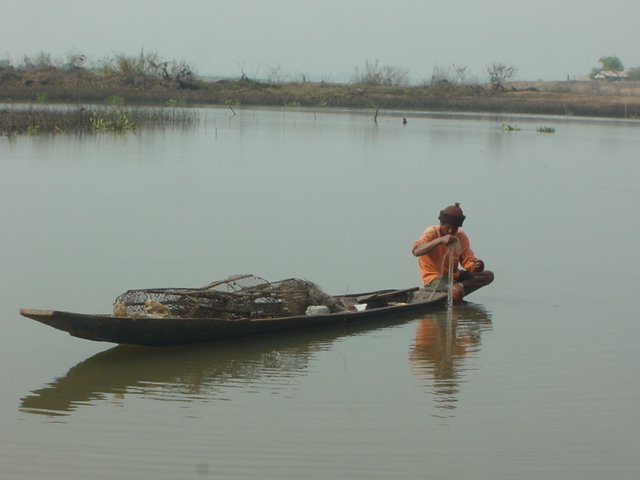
{"x":192,"y":373}
{"x":444,"y":340}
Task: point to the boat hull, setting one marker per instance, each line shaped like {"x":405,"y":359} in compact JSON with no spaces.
{"x":151,"y":331}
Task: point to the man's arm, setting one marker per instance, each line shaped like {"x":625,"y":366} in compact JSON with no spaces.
{"x":425,"y":248}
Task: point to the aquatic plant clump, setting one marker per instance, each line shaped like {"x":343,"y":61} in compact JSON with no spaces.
{"x":116,"y":121}
{"x":38,"y":120}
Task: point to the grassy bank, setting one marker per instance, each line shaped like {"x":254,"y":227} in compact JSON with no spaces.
{"x":79,"y":86}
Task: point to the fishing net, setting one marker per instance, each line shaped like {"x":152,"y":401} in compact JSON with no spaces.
{"x":240,"y":296}
{"x":451,"y":251}
{"x":444,"y":282}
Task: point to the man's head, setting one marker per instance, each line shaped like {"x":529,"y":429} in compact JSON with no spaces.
{"x":451,"y":219}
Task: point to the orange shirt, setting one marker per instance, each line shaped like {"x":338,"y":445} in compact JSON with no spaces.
{"x":434,"y":264}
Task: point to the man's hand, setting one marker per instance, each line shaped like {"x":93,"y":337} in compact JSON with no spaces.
{"x":478,"y":266}
{"x":448,"y":239}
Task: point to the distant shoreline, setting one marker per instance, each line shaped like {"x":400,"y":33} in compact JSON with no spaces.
{"x":617,"y":99}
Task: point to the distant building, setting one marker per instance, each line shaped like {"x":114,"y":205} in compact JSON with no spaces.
{"x":611,"y":75}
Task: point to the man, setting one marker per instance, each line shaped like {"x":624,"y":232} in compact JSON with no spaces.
{"x":434,"y":249}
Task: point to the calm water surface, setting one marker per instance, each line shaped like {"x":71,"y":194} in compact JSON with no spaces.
{"x":534,"y":377}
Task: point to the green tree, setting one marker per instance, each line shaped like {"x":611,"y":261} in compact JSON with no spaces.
{"x":611,"y":64}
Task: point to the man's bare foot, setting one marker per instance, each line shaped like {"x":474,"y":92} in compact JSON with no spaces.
{"x":457,"y":293}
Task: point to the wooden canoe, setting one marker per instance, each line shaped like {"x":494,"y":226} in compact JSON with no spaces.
{"x":151,"y":331}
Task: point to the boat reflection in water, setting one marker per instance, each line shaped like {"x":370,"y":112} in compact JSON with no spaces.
{"x":444,"y":342}
{"x":445,"y":339}
{"x":193,"y":373}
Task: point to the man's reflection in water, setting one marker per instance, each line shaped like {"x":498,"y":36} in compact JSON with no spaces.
{"x":444,"y":341}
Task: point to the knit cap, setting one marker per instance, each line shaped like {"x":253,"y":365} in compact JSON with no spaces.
{"x":452,"y":215}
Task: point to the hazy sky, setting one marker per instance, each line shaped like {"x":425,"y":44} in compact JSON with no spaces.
{"x":326,"y":39}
